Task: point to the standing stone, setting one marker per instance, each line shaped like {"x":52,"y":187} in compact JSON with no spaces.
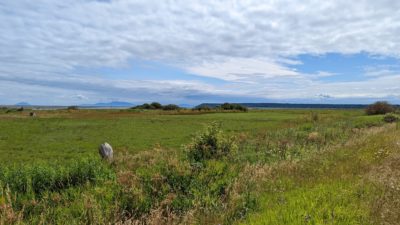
{"x":106,"y":151}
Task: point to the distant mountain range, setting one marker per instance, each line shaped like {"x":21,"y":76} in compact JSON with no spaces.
{"x":100,"y":105}
{"x":22,"y":104}
{"x":109,"y":104}
{"x":122,"y":104}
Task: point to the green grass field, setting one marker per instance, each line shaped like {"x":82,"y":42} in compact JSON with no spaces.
{"x":64,"y":136}
{"x":258,"y":167}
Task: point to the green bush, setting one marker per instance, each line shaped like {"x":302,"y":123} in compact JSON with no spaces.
{"x":391,"y":118}
{"x":212,"y":144}
{"x":379,"y":108}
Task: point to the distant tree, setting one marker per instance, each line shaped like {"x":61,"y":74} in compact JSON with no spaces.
{"x":146,"y":106}
{"x":240,"y":107}
{"x":378,"y":108}
{"x":171,"y":107}
{"x":230,"y":106}
{"x":73,"y":107}
{"x":202,"y":108}
{"x":227,"y":106}
{"x":156,"y":105}
{"x":143,"y":106}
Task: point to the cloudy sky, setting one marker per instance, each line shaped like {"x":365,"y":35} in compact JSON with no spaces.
{"x":88,"y":51}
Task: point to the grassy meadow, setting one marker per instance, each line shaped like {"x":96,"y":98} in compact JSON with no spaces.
{"x":63,"y":135}
{"x":187,"y":167}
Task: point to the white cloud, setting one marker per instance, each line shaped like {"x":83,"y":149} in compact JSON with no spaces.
{"x":80,"y":97}
{"x":65,"y":34}
{"x":381,"y":70}
{"x":248,"y":42}
{"x":243,"y":69}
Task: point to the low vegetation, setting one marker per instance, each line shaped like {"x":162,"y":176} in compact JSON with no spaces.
{"x":379,"y":108}
{"x":230,"y":106}
{"x":157,"y":106}
{"x":285,"y":167}
{"x":224,"y":107}
{"x":391,"y":118}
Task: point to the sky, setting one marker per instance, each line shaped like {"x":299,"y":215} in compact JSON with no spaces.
{"x":75,"y":52}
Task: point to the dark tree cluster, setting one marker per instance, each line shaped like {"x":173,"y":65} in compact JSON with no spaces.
{"x":232,"y":106}
{"x":379,"y":108}
{"x":156,"y":106}
{"x":226,"y":106}
{"x":73,"y":107}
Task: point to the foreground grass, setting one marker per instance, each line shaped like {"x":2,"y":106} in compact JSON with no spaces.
{"x":325,"y":203}
{"x":335,"y":186}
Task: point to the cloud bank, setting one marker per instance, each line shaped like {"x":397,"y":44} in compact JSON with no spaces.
{"x":250,"y":45}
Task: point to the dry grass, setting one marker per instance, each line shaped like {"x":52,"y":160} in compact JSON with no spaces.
{"x":386,"y":208}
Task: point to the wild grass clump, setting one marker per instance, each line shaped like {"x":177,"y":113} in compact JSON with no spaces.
{"x":204,"y":186}
{"x":314,"y":117}
{"x":211,"y":144}
{"x":37,"y":179}
{"x":53,"y":194}
{"x":295,"y":143}
{"x":391,"y":118}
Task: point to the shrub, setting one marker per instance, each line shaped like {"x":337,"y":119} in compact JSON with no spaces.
{"x":379,"y":108}
{"x":391,"y":118}
{"x":171,"y":107}
{"x":210,"y":144}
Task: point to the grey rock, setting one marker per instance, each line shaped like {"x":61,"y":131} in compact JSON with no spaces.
{"x":106,"y":151}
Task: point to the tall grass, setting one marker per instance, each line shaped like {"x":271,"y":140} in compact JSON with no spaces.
{"x":39,"y":178}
